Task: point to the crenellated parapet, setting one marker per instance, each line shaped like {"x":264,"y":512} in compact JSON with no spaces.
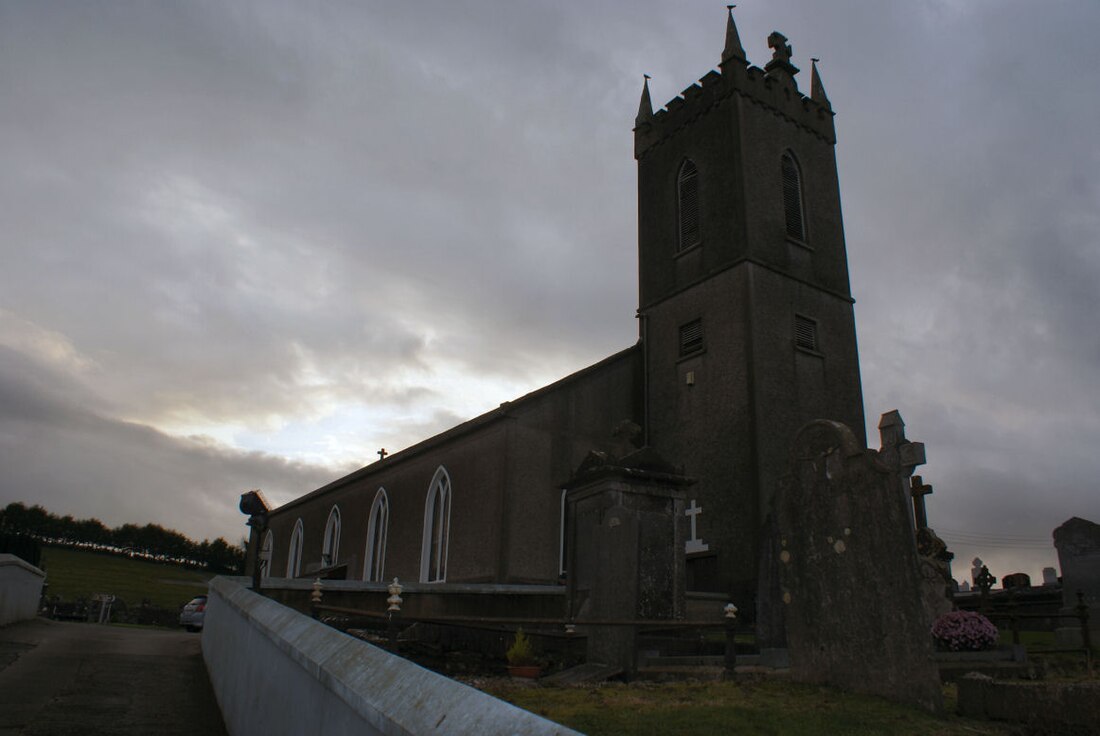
{"x":772,"y":88}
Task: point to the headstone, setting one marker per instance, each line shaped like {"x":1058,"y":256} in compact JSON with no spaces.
{"x":964,"y":586}
{"x":625,"y":551}
{"x":984,"y":582}
{"x":1050,"y":576}
{"x":844,"y":524}
{"x":976,"y":566}
{"x":902,"y":456}
{"x":895,"y":451}
{"x":1078,"y":545}
{"x":935,"y":573}
{"x":1016,"y":580}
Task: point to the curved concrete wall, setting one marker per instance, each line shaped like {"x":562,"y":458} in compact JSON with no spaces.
{"x":20,"y":589}
{"x":276,"y":671}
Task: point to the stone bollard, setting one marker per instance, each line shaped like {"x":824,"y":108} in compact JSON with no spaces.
{"x":315,"y":599}
{"x":393,"y":611}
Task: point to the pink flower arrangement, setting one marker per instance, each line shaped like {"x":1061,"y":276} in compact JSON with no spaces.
{"x":964,"y":631}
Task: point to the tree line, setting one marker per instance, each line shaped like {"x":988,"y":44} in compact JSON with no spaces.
{"x":151,"y":541}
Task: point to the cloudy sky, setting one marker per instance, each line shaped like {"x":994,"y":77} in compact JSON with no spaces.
{"x":247,"y":244}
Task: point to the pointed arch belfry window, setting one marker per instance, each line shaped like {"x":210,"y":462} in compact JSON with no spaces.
{"x":331,"y":550}
{"x":687,"y":199}
{"x":437,"y":527}
{"x":792,"y":197}
{"x":377,"y":527}
{"x":294,"y":554}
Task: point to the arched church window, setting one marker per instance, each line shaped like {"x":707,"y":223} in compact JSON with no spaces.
{"x":294,"y":554}
{"x":331,"y":548}
{"x":267,"y":551}
{"x":687,"y":192}
{"x":792,"y":197}
{"x":377,"y":526}
{"x":437,"y":523}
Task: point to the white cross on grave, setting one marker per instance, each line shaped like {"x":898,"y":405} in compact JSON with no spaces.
{"x":694,"y":544}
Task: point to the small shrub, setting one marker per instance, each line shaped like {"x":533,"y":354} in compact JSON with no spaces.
{"x":520,"y":653}
{"x":964,"y":631}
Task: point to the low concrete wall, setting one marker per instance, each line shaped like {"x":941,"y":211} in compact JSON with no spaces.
{"x":1050,"y":707}
{"x":276,"y":671}
{"x":20,"y":589}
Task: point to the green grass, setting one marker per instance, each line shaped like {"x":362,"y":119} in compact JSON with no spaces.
{"x":73,"y":573}
{"x":726,"y":708}
{"x":1027,"y":638}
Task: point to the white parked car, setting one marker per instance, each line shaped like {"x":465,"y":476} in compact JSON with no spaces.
{"x":192,"y":614}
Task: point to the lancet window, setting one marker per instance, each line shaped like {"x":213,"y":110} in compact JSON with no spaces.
{"x":437,"y":523}
{"x":377,"y":527}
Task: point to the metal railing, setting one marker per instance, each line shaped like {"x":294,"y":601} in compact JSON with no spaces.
{"x":1013,"y":616}
{"x":568,"y":626}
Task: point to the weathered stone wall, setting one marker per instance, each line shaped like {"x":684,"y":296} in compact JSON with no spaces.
{"x":20,"y":589}
{"x":275,"y":671}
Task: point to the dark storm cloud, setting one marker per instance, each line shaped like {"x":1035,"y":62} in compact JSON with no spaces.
{"x":251,"y":215}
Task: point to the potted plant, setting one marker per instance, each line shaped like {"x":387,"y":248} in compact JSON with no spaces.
{"x":521,"y":657}
{"x":964,"y":631}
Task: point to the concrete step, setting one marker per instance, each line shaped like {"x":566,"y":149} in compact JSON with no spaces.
{"x":708,"y":673}
{"x":697,"y":660}
{"x":666,"y":673}
{"x":583,"y":673}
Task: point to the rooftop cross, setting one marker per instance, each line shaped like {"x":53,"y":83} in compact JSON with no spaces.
{"x":382,"y":454}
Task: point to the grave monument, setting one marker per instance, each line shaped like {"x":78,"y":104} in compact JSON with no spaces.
{"x":1078,"y":545}
{"x":844,"y":527}
{"x":626,"y":534}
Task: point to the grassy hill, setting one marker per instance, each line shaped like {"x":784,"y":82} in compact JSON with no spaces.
{"x":75,"y":573}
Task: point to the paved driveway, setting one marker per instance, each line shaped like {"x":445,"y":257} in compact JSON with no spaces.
{"x":85,"y":679}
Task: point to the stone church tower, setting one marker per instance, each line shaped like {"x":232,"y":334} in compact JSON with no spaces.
{"x":745,"y":310}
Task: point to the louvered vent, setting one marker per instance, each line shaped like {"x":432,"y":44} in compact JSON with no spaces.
{"x":691,"y":337}
{"x":805,"y":332}
{"x":792,"y":197}
{"x":688,"y":189}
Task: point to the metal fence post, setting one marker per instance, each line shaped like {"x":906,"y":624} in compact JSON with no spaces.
{"x":1086,"y":637}
{"x":731,"y":644}
{"x":1013,"y":621}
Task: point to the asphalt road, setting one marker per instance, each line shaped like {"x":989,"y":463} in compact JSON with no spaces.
{"x":59,"y":678}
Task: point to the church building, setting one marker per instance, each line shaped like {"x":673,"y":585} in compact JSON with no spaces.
{"x":746,"y":333}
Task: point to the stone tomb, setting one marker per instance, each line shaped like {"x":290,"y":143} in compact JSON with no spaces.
{"x":848,"y":571}
{"x":625,"y":537}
